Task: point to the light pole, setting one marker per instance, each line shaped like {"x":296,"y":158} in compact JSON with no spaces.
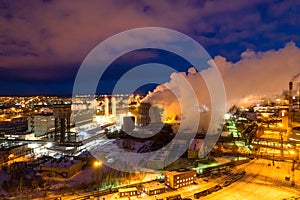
{"x":281,"y":139}
{"x":97,"y":165}
{"x":295,"y":154}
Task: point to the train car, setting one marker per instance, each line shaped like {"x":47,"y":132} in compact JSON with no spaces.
{"x":201,"y":194}
{"x":174,"y":197}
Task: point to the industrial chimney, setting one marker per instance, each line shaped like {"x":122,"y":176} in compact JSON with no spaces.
{"x":106,"y":106}
{"x":298,"y":95}
{"x":290,"y":103}
{"x":113,"y":106}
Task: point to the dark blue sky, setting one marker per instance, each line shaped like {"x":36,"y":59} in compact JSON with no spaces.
{"x":43,"y":43}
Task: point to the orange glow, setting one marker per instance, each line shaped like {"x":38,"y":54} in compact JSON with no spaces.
{"x":292,"y":152}
{"x":97,"y":164}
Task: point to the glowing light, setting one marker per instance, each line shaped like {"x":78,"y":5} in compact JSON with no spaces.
{"x":32,"y":145}
{"x":49,"y":144}
{"x":97,"y":163}
{"x":227,"y":116}
{"x":292,"y":152}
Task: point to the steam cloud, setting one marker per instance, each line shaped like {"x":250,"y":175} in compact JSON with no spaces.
{"x":255,"y":75}
{"x":164,"y":96}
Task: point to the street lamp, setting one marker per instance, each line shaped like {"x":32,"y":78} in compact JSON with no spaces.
{"x":295,"y":155}
{"x":97,"y":165}
{"x":281,"y":138}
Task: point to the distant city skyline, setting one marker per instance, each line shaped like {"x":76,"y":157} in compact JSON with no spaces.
{"x":43,"y":43}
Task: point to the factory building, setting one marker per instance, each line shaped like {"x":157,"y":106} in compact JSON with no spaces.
{"x":40,"y":124}
{"x":128,"y":192}
{"x":149,"y":114}
{"x":109,"y":105}
{"x":180,"y":178}
{"x":62,"y":121}
{"x":153,"y":188}
{"x":62,"y":168}
{"x":14,"y":152}
{"x":13,"y":126}
{"x":294,"y":113}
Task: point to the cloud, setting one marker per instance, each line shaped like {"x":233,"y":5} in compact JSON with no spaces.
{"x":39,"y":34}
{"x":57,"y":32}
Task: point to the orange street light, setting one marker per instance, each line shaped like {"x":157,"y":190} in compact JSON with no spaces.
{"x":97,"y":164}
{"x":295,"y":155}
{"x":11,"y":156}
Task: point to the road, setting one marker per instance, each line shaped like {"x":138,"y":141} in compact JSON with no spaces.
{"x":261,"y":182}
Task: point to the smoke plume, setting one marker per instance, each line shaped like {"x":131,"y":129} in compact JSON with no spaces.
{"x":255,"y":75}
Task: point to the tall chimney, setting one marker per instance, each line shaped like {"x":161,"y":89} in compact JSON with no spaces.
{"x":113,"y":106}
{"x":106,"y":106}
{"x":290,"y":103}
{"x":298,"y":94}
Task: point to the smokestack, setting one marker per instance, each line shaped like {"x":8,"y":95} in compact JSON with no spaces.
{"x":113,"y":106}
{"x":290,"y":103}
{"x":106,"y":106}
{"x":299,"y":95}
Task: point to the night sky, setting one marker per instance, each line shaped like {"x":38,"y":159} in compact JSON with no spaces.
{"x":43,"y":43}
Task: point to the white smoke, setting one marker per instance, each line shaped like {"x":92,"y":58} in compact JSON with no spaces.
{"x":255,"y":75}
{"x":164,"y":96}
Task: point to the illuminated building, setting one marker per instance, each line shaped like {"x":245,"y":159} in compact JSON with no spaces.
{"x":62,"y":167}
{"x":14,"y":152}
{"x":62,"y":121}
{"x":153,"y":188}
{"x":40,"y":124}
{"x":15,"y":125}
{"x":128,"y":192}
{"x":19,"y":136}
{"x":179,"y":178}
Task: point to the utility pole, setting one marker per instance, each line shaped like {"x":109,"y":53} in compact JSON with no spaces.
{"x":293,"y":173}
